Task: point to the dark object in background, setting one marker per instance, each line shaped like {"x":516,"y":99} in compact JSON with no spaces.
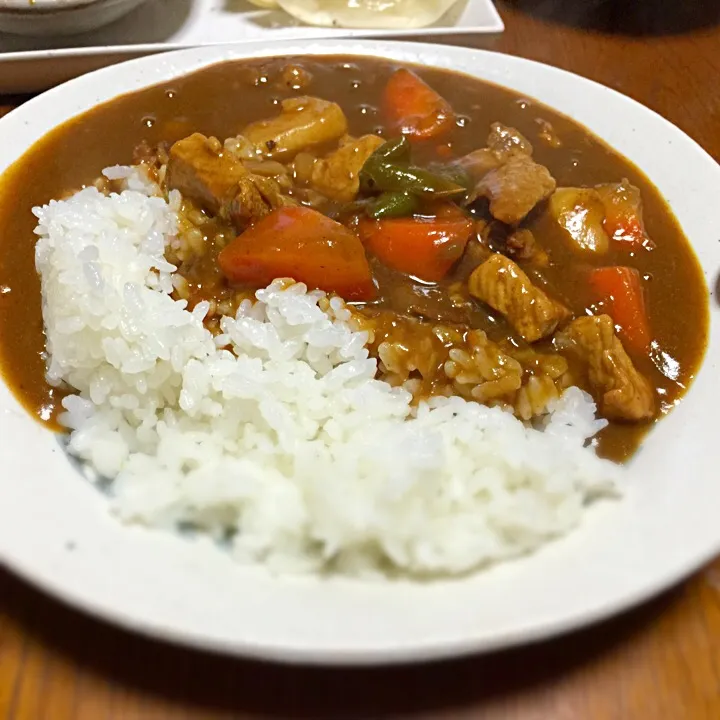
{"x":626,"y":17}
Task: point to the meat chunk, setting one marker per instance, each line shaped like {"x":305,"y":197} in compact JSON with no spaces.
{"x":255,"y":197}
{"x":479,"y":163}
{"x":502,"y":144}
{"x":507,"y":175}
{"x":522,"y":245}
{"x":517,"y":244}
{"x":501,"y":284}
{"x":272,"y":191}
{"x":247,"y":204}
{"x":622,"y":392}
{"x":202,"y":172}
{"x":506,"y":142}
{"x":217,"y":181}
{"x":515,"y":188}
{"x":337,"y":175}
{"x":304,"y":122}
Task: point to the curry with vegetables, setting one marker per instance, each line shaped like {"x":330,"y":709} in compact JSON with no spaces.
{"x":491,"y":247}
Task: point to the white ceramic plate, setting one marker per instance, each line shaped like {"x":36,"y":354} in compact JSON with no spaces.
{"x":32,"y":64}
{"x":55,"y":531}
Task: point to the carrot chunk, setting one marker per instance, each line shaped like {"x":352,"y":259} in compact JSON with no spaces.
{"x":621,"y":289}
{"x":424,"y":247}
{"x":414,"y":108}
{"x":302,"y":244}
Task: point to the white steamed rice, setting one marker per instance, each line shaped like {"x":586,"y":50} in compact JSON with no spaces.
{"x":287,"y":449}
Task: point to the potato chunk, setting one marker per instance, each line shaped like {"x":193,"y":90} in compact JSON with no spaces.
{"x":337,"y":175}
{"x":304,"y":122}
{"x":580,"y":213}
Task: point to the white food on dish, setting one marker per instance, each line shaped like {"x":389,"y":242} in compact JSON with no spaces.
{"x":383,"y":14}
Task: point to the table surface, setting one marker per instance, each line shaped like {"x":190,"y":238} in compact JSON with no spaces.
{"x":659,"y":662}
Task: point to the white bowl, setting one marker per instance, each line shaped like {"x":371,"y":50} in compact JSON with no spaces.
{"x":56,"y":532}
{"x":60,"y":17}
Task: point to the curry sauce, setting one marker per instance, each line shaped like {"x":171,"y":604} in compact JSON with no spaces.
{"x":221,"y":100}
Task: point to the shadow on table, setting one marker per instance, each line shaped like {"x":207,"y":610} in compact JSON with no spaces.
{"x":625,"y":17}
{"x":213,"y":683}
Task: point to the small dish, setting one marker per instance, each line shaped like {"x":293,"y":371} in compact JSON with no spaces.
{"x":60,"y":17}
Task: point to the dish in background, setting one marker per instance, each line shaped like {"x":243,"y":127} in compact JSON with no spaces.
{"x":34,"y":64}
{"x":586,"y":579}
{"x":390,"y":14}
{"x":61,"y":17}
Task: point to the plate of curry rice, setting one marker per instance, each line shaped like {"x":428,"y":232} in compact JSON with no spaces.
{"x":338,"y":352}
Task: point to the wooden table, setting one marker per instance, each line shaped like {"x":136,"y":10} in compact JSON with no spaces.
{"x":660,"y":662}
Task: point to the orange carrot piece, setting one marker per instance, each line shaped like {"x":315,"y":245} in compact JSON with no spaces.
{"x":621,"y":289}
{"x":414,"y":108}
{"x":424,"y":247}
{"x":303,"y":244}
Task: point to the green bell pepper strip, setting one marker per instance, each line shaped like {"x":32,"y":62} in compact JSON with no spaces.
{"x":393,"y":205}
{"x":389,"y":177}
